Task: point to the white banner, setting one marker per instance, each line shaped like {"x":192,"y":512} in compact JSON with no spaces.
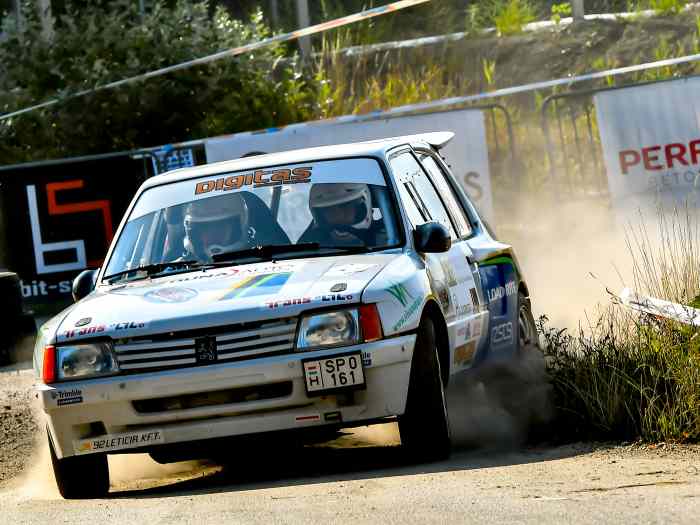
{"x":467,"y":154}
{"x":651,"y":143}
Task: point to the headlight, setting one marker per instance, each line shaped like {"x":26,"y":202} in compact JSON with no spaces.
{"x":337,"y":328}
{"x":88,"y":360}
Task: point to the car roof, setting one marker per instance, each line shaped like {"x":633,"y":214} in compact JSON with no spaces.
{"x":370,"y":148}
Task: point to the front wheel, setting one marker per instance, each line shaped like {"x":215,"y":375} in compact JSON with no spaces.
{"x":425,"y":426}
{"x":81,"y":477}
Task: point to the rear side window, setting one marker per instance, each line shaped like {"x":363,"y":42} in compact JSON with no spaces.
{"x":420,"y":197}
{"x":438,"y":177}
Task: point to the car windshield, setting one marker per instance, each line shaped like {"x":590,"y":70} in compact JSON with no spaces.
{"x":315,"y":208}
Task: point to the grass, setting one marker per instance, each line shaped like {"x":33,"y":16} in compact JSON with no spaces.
{"x":629,"y":377}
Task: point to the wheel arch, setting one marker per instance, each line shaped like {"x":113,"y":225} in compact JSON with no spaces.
{"x":432,"y":310}
{"x":522,"y":287}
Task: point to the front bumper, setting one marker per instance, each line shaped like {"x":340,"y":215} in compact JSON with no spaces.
{"x":106,"y":409}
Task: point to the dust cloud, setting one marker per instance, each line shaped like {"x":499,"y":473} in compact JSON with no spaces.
{"x":569,"y":255}
{"x":501,"y":404}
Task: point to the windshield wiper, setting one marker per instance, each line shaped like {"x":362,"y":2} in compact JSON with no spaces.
{"x":156,"y":268}
{"x":269,"y":251}
{"x":265,"y":252}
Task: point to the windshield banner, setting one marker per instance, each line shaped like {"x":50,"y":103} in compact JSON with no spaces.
{"x":467,"y":154}
{"x":651,"y":143}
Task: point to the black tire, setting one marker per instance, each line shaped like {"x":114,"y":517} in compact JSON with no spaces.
{"x":425,"y":425}
{"x":81,"y":477}
{"x":527,"y":329}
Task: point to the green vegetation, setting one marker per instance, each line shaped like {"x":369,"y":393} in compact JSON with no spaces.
{"x":511,"y":16}
{"x":630,"y":377}
{"x":667,"y":7}
{"x":107,"y":41}
{"x":559,"y":10}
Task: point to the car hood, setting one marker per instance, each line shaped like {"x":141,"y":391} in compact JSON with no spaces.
{"x":220,"y":296}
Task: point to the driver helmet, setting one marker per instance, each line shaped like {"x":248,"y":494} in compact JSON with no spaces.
{"x":216,"y":225}
{"x":341,"y":205}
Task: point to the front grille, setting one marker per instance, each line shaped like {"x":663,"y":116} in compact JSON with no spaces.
{"x":233,"y":343}
{"x":219,"y":397}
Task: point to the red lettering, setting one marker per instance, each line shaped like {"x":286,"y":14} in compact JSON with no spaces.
{"x":694,"y":147}
{"x":628,"y":158}
{"x":678,"y":154}
{"x":649,"y":158}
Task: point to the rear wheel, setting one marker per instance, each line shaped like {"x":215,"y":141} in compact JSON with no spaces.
{"x":81,"y":477}
{"x":424,"y":426}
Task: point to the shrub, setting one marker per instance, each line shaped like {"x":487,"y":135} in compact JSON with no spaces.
{"x":633,"y":377}
{"x":511,"y":16}
{"x":106,"y":41}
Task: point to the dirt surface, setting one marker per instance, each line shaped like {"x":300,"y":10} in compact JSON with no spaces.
{"x":17,"y":424}
{"x":362,"y":477}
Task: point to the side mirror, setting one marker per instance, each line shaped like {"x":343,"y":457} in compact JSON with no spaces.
{"x":84,"y":283}
{"x":432,"y":237}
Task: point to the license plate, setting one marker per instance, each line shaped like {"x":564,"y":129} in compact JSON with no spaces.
{"x":331,"y":374}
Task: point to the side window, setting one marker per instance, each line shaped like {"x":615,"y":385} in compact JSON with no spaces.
{"x":437,"y":175}
{"x":418,"y":192}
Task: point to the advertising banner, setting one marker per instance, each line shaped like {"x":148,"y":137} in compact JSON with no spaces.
{"x":651,"y":143}
{"x":467,"y":154}
{"x":59,"y":219}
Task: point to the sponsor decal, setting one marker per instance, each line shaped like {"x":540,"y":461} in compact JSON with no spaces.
{"x":254,"y":285}
{"x":502,"y":333}
{"x":408,"y":313}
{"x":476,"y":327}
{"x":308,"y":419}
{"x":67,"y":397}
{"x":366,"y":359}
{"x":400,"y":293}
{"x":288,"y":302}
{"x":257,"y":179}
{"x":84,"y":321}
{"x":464,"y":353}
{"x":170,"y":294}
{"x":495,"y":294}
{"x":295,"y":301}
{"x":86,"y":330}
{"x":334,"y":297}
{"x":342,"y":270}
{"x":98,"y":329}
{"x":113,"y":442}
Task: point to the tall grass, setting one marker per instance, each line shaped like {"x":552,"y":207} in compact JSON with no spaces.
{"x":631,"y":377}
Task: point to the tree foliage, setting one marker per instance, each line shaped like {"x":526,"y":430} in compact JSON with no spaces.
{"x":109,"y":40}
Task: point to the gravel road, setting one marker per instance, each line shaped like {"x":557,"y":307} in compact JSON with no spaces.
{"x":363,"y":478}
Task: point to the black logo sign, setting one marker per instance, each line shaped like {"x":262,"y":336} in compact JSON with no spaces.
{"x":205,"y":350}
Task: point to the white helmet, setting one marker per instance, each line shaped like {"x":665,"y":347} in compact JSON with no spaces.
{"x":216,"y":225}
{"x":341,"y":205}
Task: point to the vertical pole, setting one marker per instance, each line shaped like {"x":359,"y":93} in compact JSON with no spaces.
{"x":44,"y":7}
{"x":303,"y":20}
{"x":274,"y":15}
{"x":577,"y":10}
{"x":142,"y":10}
{"x":18,"y":15}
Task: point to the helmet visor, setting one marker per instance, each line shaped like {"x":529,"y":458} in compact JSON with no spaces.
{"x":213,"y":236}
{"x":346,"y":214}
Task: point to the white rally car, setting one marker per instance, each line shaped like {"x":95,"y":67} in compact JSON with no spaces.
{"x":308,"y":290}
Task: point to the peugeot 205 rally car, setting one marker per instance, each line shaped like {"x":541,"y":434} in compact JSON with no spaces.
{"x":320,"y":288}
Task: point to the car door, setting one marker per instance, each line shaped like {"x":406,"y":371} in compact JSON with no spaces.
{"x":450,"y":274}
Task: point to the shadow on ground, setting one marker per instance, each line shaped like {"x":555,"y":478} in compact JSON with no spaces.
{"x":314,"y":465}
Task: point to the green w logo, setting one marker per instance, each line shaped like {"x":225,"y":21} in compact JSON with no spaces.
{"x":400,"y":293}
